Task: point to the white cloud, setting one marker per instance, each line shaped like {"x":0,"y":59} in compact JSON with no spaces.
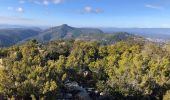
{"x":45,"y":2}
{"x":20,"y":10}
{"x":57,"y":1}
{"x":16,"y":9}
{"x":89,"y":9}
{"x":37,"y":2}
{"x":98,"y":10}
{"x":154,"y":7}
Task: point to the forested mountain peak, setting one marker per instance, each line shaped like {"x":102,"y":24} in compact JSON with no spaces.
{"x":64,"y":32}
{"x":11,"y":36}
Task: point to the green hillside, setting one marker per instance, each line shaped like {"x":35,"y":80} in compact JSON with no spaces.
{"x":11,"y":36}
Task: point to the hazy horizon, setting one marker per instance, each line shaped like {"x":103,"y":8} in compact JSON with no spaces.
{"x":48,"y":26}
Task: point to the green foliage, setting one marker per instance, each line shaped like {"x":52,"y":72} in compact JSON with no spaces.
{"x":128,"y":68}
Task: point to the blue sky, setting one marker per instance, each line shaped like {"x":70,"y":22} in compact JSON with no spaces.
{"x":86,"y":13}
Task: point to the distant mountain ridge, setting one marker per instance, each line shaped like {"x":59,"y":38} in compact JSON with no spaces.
{"x":152,"y":33}
{"x":11,"y":36}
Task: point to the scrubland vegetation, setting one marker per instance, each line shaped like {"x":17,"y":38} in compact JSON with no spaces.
{"x":131,"y":69}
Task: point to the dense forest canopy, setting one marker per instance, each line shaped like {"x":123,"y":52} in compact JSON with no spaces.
{"x":123,"y":70}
